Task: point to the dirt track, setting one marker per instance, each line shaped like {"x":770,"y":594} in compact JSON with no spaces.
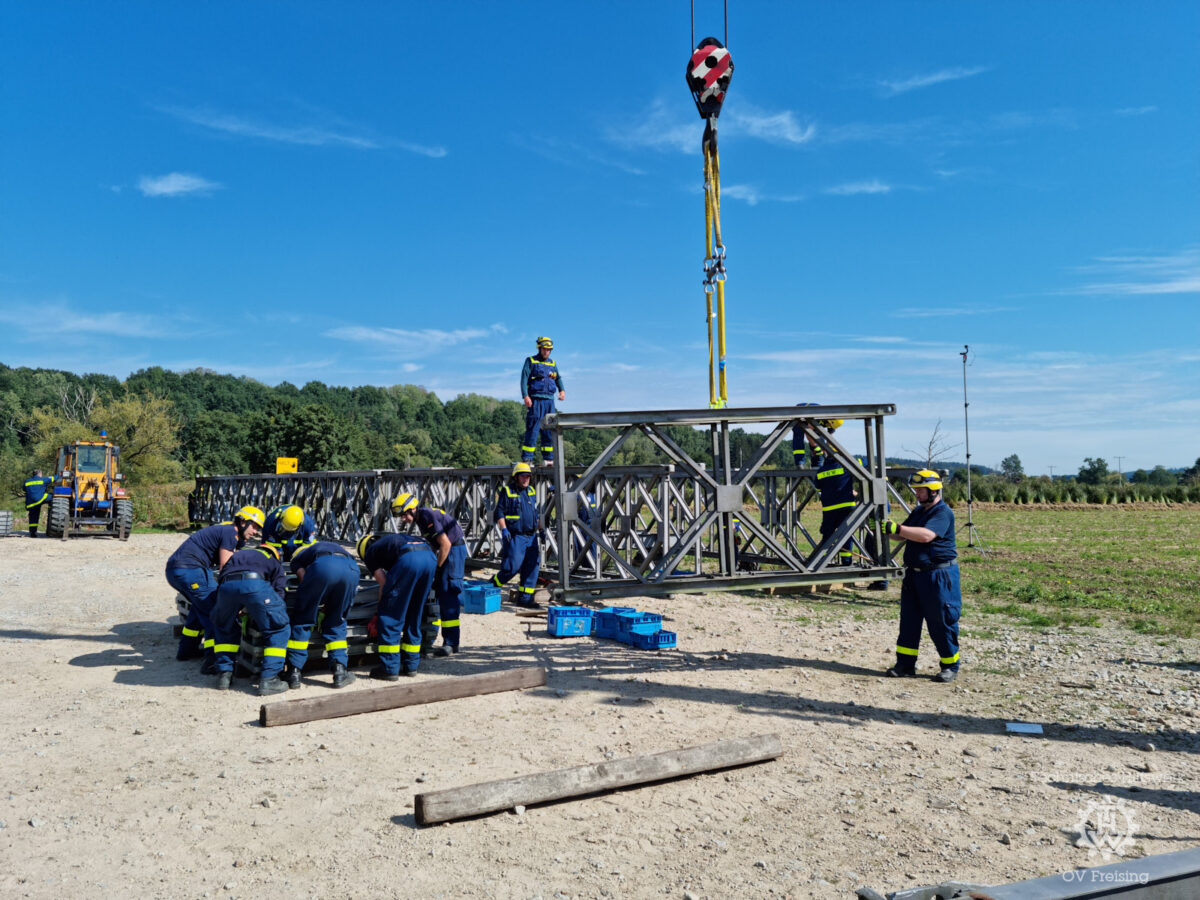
{"x":124,"y":774}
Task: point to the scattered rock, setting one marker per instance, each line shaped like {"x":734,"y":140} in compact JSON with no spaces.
{"x":1005,"y":839}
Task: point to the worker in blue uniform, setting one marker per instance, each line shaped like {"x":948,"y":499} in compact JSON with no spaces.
{"x":518,"y":519}
{"x":37,"y":491}
{"x":327,"y":580}
{"x":838,"y":499}
{"x":403,"y":565}
{"x":288,"y":528}
{"x":799,"y":457}
{"x":445,"y":536}
{"x":540,"y":379}
{"x":253,"y":580}
{"x":587,"y":513}
{"x":930,"y":590}
{"x":189,"y":571}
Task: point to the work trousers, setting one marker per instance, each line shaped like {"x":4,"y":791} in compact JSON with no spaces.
{"x":829,"y":524}
{"x":329,"y":585}
{"x":934,"y":598}
{"x":400,"y":608}
{"x":520,"y":555}
{"x":448,"y":588}
{"x":35,"y":516}
{"x":200,"y":588}
{"x":265,"y":610}
{"x":534,"y":432}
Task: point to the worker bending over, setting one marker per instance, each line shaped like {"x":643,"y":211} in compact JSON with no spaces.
{"x":288,"y":528}
{"x":37,"y":490}
{"x":445,"y":536}
{"x":327,"y":580}
{"x":539,"y":381}
{"x":930,"y":590}
{"x":189,"y":571}
{"x":517,"y":517}
{"x":403,"y":565}
{"x":253,"y":580}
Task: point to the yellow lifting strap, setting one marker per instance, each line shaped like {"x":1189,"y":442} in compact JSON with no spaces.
{"x":714,"y":269}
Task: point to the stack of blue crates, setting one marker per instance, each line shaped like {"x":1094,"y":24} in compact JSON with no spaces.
{"x":630,"y":626}
{"x":480,"y":597}
{"x":606,"y":621}
{"x":570,"y":621}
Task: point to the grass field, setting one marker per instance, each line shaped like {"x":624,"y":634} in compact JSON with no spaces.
{"x":1054,"y":566}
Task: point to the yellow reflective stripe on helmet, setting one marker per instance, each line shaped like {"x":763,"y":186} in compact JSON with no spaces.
{"x":297,"y":645}
{"x":411,"y":648}
{"x":449,"y":623}
{"x":226,"y":648}
{"x":837,"y":506}
{"x":274,"y":651}
{"x":388,"y":648}
{"x":949,"y":660}
{"x":906,"y":651}
{"x":830,"y":472}
{"x":190,"y":632}
{"x":336,"y":645}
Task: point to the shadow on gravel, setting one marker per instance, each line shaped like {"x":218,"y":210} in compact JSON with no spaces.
{"x":1188,"y":801}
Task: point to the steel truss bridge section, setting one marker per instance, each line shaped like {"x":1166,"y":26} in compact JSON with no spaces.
{"x":678,"y":524}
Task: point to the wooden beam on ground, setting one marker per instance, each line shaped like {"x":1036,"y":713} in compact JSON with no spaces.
{"x":351,"y":703}
{"x":491,"y":796}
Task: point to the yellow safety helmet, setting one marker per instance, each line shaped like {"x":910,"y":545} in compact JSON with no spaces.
{"x":926,"y":478}
{"x":291,"y":518}
{"x":403,"y":503}
{"x":251,"y":514}
{"x":522,"y":468}
{"x":363,"y":543}
{"x":269,"y":550}
{"x":831,"y":424}
{"x":545,"y":342}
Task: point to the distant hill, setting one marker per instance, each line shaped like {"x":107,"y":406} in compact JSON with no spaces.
{"x":920,"y":464}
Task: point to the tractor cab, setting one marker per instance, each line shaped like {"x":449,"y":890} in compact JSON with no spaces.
{"x":89,"y":491}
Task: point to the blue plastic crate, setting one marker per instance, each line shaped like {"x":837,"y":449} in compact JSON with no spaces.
{"x":569,"y":621}
{"x":606,"y":620}
{"x":660,"y":640}
{"x":481,"y":599}
{"x":637,"y":623}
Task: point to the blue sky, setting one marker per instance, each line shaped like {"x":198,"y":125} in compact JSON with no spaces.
{"x":387,"y":193}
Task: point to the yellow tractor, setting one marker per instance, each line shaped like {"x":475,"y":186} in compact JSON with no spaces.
{"x":89,"y":492}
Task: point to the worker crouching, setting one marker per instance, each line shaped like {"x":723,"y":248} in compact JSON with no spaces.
{"x":403,"y":565}
{"x":253,"y":580}
{"x":327,"y":580}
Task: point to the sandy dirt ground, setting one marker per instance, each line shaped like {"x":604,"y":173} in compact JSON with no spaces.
{"x":124,"y":774}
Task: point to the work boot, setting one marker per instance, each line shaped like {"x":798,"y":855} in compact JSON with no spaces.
{"x":444,"y":650}
{"x":209,"y":666}
{"x":272,"y":685}
{"x":946,"y":675}
{"x":341,"y":676}
{"x":894,"y":672}
{"x":528,"y":603}
{"x":877,"y":586}
{"x":189,"y":648}
{"x":382,"y":674}
{"x":223,"y":681}
{"x":291,"y":675}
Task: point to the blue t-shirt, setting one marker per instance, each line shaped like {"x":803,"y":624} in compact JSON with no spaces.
{"x":433,"y":522}
{"x":939,"y":519}
{"x":308,"y":555}
{"x":383,"y":553}
{"x":201,"y":549}
{"x":35,"y":490}
{"x":252,"y":559}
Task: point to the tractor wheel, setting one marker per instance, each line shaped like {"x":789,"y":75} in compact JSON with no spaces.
{"x":56,"y":521}
{"x":124,"y":514}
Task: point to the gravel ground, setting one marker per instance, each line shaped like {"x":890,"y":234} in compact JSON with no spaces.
{"x":124,"y":773}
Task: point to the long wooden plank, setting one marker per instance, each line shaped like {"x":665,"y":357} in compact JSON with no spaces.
{"x":491,"y":796}
{"x":351,"y":703}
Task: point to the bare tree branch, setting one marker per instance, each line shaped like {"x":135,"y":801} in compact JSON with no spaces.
{"x":937,"y":449}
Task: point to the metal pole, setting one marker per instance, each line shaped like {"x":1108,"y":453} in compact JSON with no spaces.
{"x":971,"y":533}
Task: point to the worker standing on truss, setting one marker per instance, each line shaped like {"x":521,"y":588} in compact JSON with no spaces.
{"x":539,"y":382}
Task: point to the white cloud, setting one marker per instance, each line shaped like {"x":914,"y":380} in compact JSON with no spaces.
{"x":44,"y":321}
{"x":661,"y":127}
{"x":425,"y":342}
{"x":777,"y":127}
{"x":1177,"y":273}
{"x":924,"y":312}
{"x":570,"y":153}
{"x":929,"y":79}
{"x":175,"y":184}
{"x":753,"y":196}
{"x":410,"y":367}
{"x":874,"y":186}
{"x":303,"y":135}
{"x":1135,"y":110}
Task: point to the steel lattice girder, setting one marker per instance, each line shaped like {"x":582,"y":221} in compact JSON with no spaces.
{"x":656,"y":529}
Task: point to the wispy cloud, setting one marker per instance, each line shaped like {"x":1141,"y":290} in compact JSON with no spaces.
{"x":1177,"y":273}
{"x":775,"y":127}
{"x":928,"y":79}
{"x":43,"y":321}
{"x":923,"y":312}
{"x":176,"y":184}
{"x":306,"y":135}
{"x":1135,"y":110}
{"x":874,"y":186}
{"x":424,"y":342}
{"x":661,"y":127}
{"x":570,"y":153}
{"x":752,"y":196}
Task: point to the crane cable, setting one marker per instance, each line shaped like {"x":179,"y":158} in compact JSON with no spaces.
{"x":709,"y":70}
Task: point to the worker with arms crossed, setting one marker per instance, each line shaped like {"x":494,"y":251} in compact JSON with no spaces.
{"x":445,"y":536}
{"x":253,"y":580}
{"x":517,"y":517}
{"x":930,"y":590}
{"x":288,"y":528}
{"x":189,"y":571}
{"x":539,"y":381}
{"x":403,"y":565}
{"x":327,"y":580}
{"x":37,"y":489}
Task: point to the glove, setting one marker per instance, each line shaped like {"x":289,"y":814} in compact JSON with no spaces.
{"x":890,"y":527}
